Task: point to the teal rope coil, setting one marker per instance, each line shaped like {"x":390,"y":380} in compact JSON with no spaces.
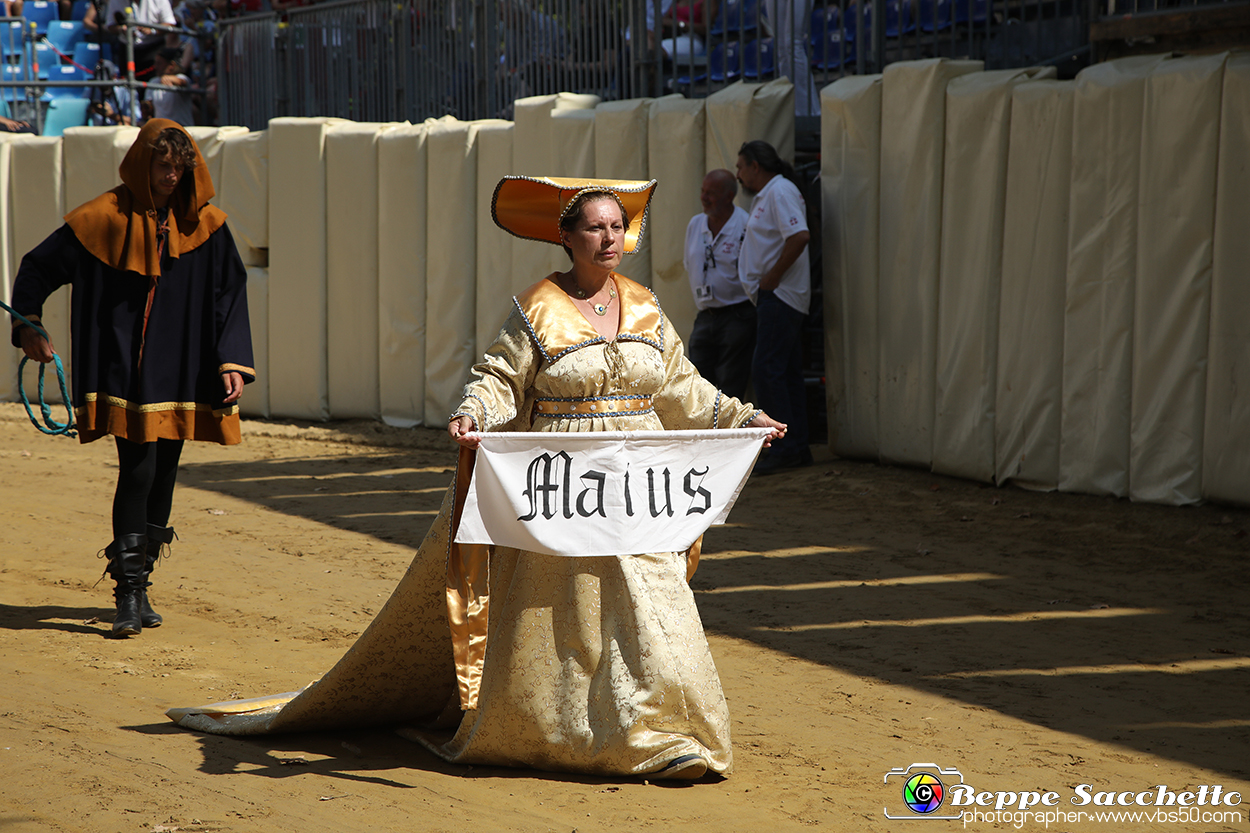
{"x":53,"y":427}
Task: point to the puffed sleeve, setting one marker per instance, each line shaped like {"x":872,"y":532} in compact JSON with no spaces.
{"x":499,"y":395}
{"x":687,"y":400}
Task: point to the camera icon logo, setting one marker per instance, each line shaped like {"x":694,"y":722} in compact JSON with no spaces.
{"x":923,"y":788}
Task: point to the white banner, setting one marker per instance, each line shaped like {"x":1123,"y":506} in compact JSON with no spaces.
{"x":605,"y":492}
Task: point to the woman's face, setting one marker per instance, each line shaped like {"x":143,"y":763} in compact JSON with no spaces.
{"x":598,"y":238}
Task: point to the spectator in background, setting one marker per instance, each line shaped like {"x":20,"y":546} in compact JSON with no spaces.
{"x":776,"y":274}
{"x":169,"y":104}
{"x":793,"y":18}
{"x":197,"y":50}
{"x":596,"y":57}
{"x":147,"y":40}
{"x":687,"y":23}
{"x":13,"y":8}
{"x":533,"y":42}
{"x":110,"y":105}
{"x":722,"y":341}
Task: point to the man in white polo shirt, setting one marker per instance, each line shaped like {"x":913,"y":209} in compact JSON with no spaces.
{"x":776,"y":275}
{"x":722,"y":342}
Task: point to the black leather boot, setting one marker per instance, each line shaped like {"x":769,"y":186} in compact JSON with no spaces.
{"x":126,"y":557}
{"x":158,"y":537}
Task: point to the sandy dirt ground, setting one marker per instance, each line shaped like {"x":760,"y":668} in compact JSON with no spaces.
{"x":863,"y":618}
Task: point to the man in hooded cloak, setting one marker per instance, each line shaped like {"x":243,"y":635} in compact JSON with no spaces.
{"x":160,"y":337}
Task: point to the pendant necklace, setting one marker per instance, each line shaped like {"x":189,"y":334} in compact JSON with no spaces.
{"x":600,"y":309}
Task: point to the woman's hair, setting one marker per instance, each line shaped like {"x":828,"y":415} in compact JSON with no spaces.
{"x":573,"y":212}
{"x":764,"y":155}
{"x":175,"y":144}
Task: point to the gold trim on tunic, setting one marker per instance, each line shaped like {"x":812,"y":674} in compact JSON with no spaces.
{"x":558,"y":326}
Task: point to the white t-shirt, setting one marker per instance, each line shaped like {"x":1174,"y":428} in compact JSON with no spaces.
{"x":146,"y":11}
{"x":712,"y":262}
{"x":777,"y":213}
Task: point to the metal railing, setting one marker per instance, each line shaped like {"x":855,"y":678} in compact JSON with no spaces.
{"x":29,"y":106}
{"x":389,"y":60}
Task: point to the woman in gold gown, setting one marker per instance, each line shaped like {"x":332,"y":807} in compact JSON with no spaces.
{"x":593,"y":664}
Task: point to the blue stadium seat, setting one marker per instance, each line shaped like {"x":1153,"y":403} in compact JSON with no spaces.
{"x":41,"y":13}
{"x":11,"y":39}
{"x":851,"y":23}
{"x":65,"y":34}
{"x":935,"y":15}
{"x":737,"y":17}
{"x":66,"y":72}
{"x":80,"y":9}
{"x":830,"y":45}
{"x":898,"y":19}
{"x":45,"y":57}
{"x":728,"y":64}
{"x":88,"y":54}
{"x":758,"y":59}
{"x":978,"y":11}
{"x":14,"y":72}
{"x":63,"y":113}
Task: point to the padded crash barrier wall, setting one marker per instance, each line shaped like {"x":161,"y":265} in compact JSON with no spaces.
{"x":1062,"y":302}
{"x":1031,"y":298}
{"x":850,"y":176}
{"x":1084,"y":355}
{"x":974,"y":177}
{"x":913,"y":104}
{"x":1226,"y":439}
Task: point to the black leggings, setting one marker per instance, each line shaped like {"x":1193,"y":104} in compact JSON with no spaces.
{"x":145,"y":484}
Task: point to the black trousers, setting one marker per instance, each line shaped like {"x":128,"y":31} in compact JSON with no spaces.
{"x":145,"y":484}
{"x":722,"y":344}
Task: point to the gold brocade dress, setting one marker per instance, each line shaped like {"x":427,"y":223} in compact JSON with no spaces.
{"x":595,"y":664}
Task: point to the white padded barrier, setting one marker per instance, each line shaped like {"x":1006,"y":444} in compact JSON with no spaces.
{"x":1030,"y":318}
{"x":255,"y":399}
{"x":573,"y":140}
{"x":1171,"y":324}
{"x":211,"y":141}
{"x":243,"y":193}
{"x":92,"y":157}
{"x":35,"y":172}
{"x":451,"y":264}
{"x":351,"y":166}
{"x":8,"y":267}
{"x":978,"y":117}
{"x":621,"y":153}
{"x":1101,"y":275}
{"x":402,"y":197}
{"x":1226,"y":440}
{"x":534,"y":154}
{"x":913,"y":104}
{"x":297,"y":270}
{"x":531,"y":156}
{"x":850,"y":161}
{"x":675,"y":147}
{"x":494,"y":245}
{"x":743,"y":112}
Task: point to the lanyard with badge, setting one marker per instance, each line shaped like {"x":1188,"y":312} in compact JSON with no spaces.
{"x":704,"y":292}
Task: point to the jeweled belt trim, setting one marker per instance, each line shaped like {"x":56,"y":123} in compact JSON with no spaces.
{"x":597,"y":406}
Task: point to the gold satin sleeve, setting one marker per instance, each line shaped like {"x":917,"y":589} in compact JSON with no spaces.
{"x":687,"y":400}
{"x":498,"y":396}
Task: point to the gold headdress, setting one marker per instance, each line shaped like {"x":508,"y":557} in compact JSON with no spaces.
{"x":532,"y":207}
